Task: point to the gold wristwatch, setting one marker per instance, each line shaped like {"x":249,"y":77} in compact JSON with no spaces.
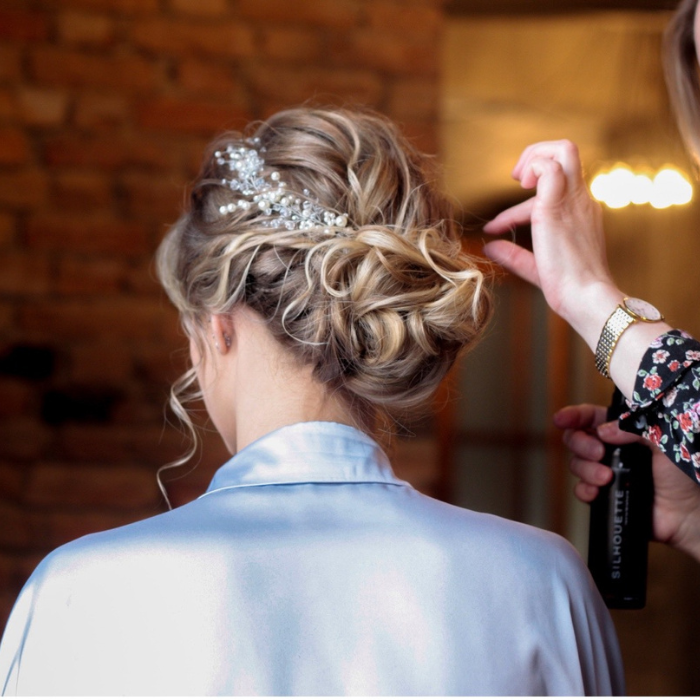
{"x":628,"y":312}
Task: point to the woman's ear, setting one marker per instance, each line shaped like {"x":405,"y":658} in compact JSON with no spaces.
{"x":222,"y":332}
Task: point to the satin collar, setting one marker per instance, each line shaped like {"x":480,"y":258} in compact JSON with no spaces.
{"x":315,"y":452}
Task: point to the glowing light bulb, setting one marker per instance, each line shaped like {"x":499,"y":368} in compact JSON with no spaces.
{"x":599,"y":186}
{"x":642,"y":190}
{"x":620,"y":185}
{"x":662,"y":193}
{"x":665,"y":185}
{"x":670,"y":187}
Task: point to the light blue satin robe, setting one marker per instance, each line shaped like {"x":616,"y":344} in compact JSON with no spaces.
{"x":309,"y":568}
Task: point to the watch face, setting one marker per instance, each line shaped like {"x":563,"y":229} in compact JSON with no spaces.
{"x":643,"y":309}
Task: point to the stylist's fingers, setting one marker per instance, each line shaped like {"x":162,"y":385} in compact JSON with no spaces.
{"x":584,"y":445}
{"x":548,"y":176}
{"x":509,"y":218}
{"x":590,"y":472}
{"x":515,"y":259}
{"x":593,"y":473}
{"x":586,"y":492}
{"x":585,"y":415}
{"x":564,"y":152}
{"x":610,"y":432}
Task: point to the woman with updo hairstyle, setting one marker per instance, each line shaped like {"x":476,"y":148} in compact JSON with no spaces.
{"x":376,"y":303}
{"x":319,"y":276}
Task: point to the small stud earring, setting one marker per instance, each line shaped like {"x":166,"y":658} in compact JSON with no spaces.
{"x":227,"y":340}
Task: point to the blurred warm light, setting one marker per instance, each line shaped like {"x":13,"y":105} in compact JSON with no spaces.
{"x":621,"y":187}
{"x":642,"y":189}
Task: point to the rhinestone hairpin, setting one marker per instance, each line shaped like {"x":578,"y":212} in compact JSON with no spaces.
{"x":269,"y":194}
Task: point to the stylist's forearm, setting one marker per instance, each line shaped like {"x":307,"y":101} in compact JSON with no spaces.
{"x":588,"y":318}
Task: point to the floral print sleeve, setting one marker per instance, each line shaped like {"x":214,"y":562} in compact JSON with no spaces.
{"x":665,"y":407}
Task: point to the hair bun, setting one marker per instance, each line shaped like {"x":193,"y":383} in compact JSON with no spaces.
{"x":400,"y":307}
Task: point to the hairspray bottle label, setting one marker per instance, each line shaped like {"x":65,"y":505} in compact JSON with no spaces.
{"x":621,"y":526}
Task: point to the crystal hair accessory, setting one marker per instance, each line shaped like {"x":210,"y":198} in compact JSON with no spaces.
{"x":269,"y":193}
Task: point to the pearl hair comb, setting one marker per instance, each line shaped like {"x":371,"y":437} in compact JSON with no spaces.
{"x":268,"y":193}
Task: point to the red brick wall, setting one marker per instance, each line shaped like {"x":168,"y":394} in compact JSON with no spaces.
{"x":105,"y":107}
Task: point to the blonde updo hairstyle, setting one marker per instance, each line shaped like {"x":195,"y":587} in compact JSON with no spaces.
{"x":681,"y":67}
{"x":380,"y":307}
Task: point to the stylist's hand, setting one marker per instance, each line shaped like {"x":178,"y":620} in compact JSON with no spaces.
{"x":676,"y":518}
{"x":569,"y":262}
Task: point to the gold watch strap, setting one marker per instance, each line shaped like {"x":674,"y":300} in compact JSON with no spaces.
{"x":614,"y":327}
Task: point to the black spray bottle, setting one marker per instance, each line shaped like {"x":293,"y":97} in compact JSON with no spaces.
{"x":621,"y":523}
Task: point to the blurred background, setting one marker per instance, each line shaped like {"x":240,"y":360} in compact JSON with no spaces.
{"x":105,"y":109}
